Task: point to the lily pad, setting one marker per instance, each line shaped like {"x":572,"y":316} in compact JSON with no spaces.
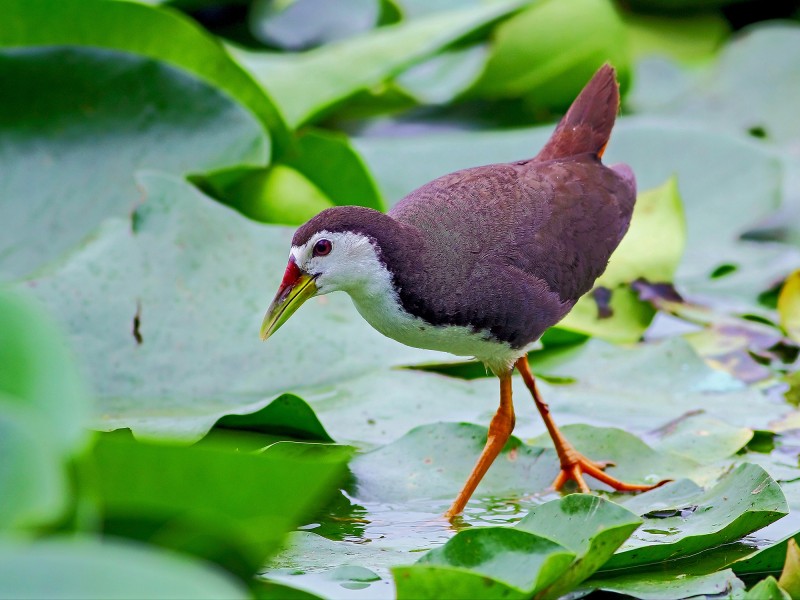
{"x":433,"y":461}
{"x":434,"y":582}
{"x":518,"y":560}
{"x":589,"y":526}
{"x":307,"y":23}
{"x":114,"y":113}
{"x":632,"y":460}
{"x":547,"y":52}
{"x":702,"y":438}
{"x":441,"y":78}
{"x":668,"y":585}
{"x":307,"y":85}
{"x":286,"y":415}
{"x":601,"y":385}
{"x":744,"y":501}
{"x":32,"y":475}
{"x":689,"y":38}
{"x":753,"y":96}
{"x":161,"y":34}
{"x":211,"y":500}
{"x":342,"y":583}
{"x":84,"y":567}
{"x":766,"y":589}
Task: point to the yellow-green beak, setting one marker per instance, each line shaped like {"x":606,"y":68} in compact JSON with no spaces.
{"x":296,"y":287}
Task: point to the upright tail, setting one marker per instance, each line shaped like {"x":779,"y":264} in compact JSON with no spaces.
{"x":587,"y":125}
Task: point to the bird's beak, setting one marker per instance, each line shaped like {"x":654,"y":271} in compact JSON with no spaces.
{"x":297,"y":287}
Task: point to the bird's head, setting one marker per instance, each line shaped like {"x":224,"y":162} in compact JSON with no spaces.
{"x":336,"y":250}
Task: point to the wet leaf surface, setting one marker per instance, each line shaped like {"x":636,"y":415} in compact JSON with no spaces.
{"x":128,"y":570}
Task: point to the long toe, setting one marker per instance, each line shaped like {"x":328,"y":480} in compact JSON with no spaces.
{"x":583,"y":466}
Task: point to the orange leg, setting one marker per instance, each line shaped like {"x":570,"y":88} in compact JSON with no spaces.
{"x":499,"y":431}
{"x":573,"y":463}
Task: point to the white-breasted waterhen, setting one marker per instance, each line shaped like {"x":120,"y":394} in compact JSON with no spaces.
{"x":482,"y":261}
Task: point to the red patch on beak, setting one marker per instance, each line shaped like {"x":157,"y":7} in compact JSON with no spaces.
{"x":291,"y":275}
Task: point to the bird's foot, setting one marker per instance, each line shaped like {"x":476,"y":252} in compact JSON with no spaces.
{"x":575,"y":465}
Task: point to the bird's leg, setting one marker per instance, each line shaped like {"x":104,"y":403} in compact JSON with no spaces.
{"x":499,"y":431}
{"x":573,"y":463}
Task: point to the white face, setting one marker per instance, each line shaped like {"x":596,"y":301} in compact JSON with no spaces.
{"x":351,"y":265}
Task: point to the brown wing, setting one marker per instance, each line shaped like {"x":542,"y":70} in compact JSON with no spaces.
{"x":510,"y":248}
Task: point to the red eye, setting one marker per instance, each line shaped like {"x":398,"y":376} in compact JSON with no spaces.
{"x":322,"y":248}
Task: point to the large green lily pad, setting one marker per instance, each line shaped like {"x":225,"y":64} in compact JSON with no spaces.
{"x":589,"y":526}
{"x":668,"y":585}
{"x":433,"y":462}
{"x":162,"y":34}
{"x":740,"y":94}
{"x":545,"y":54}
{"x":520,"y":562}
{"x":744,"y":501}
{"x":114,"y":113}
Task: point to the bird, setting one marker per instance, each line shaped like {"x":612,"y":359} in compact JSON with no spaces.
{"x":480,"y":262}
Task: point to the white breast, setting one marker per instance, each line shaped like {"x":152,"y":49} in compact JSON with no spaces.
{"x":382,"y":309}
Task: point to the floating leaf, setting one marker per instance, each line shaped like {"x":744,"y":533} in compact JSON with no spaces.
{"x":329,"y":160}
{"x":743,"y":501}
{"x":433,"y":461}
{"x":420,"y":581}
{"x":659,"y":585}
{"x":333,"y":583}
{"x":546,"y":53}
{"x":307,"y":85}
{"x":286,"y":415}
{"x":83,"y":567}
{"x":766,"y":589}
{"x":688,"y":38}
{"x":277,"y":194}
{"x":520,"y":561}
{"x":211,"y":500}
{"x":307,"y":23}
{"x":441,"y":78}
{"x":790,"y":577}
{"x":740,"y":94}
{"x":589,"y":526}
{"x":702,"y":438}
{"x":161,"y":34}
{"x":114,"y":113}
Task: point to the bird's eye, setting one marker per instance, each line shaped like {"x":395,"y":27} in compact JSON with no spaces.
{"x":322,"y":248}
